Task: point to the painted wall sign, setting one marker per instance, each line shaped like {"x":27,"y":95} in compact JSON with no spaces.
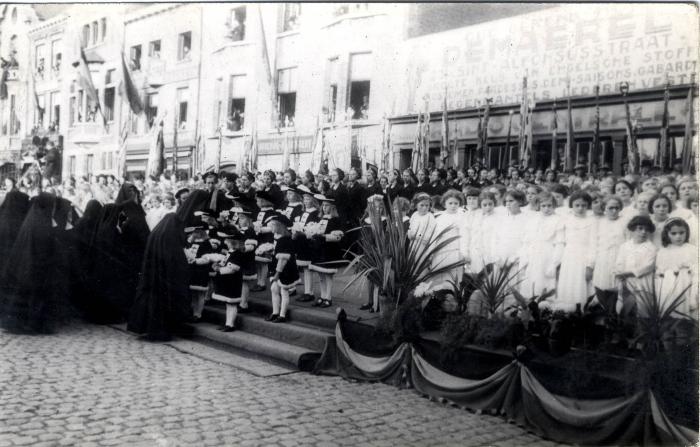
{"x":584,"y":45}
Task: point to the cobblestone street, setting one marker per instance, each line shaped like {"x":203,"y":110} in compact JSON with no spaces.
{"x":92,"y":386}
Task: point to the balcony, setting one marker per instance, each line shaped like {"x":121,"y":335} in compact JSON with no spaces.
{"x":86,"y":132}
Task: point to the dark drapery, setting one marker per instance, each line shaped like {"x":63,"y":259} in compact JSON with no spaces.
{"x":117,"y":255}
{"x":12,"y":213}
{"x":162,"y":301}
{"x":35,"y":290}
{"x":517,"y":394}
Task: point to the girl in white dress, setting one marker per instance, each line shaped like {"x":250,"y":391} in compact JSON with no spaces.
{"x":470,"y":220}
{"x":610,"y":236}
{"x":511,"y":228}
{"x":659,"y":208}
{"x":574,"y":282}
{"x":449,"y":220}
{"x":483,"y":234}
{"x":634,"y":265}
{"x":421,"y":226}
{"x":531,"y":195}
{"x":542,"y":248}
{"x":677,"y":267}
{"x":624,"y":190}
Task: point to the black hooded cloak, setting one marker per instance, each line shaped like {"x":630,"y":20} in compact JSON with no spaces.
{"x":117,"y":255}
{"x":12,"y":213}
{"x":84,"y":233}
{"x":162,"y":300}
{"x":34,"y":295}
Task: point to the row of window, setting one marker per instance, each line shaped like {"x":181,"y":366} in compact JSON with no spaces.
{"x":55,"y":58}
{"x":94,"y":32}
{"x":107,"y":162}
{"x":184,"y":47}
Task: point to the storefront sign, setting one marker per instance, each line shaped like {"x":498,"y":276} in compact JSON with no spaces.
{"x":577,"y":45}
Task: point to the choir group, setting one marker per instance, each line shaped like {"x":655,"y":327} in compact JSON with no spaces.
{"x":582,"y":236}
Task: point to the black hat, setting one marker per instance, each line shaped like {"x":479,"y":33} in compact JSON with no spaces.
{"x":230,"y":232}
{"x":279,"y":217}
{"x":265,"y":195}
{"x":181,"y":191}
{"x":303,"y":189}
{"x":246,"y":202}
{"x":230,"y":177}
{"x":644,"y":221}
{"x":323,"y":198}
{"x":239,"y":210}
{"x":193,"y":229}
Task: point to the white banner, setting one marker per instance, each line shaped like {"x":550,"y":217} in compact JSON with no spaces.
{"x":588,"y":45}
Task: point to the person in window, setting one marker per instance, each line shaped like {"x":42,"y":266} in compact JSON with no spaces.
{"x":186,"y":53}
{"x":364,"y":109}
{"x":237,"y":30}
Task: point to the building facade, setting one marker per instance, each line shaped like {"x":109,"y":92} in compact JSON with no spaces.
{"x":16,"y":22}
{"x":306,"y":86}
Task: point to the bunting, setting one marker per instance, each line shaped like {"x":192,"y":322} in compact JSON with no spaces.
{"x":661,"y":155}
{"x":485,"y":130}
{"x":570,"y":140}
{"x":508,"y":152}
{"x":596,"y":131}
{"x":632,"y":150}
{"x":523,"y":118}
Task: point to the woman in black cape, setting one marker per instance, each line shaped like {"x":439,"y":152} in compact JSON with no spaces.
{"x":35,"y":289}
{"x":117,"y":255}
{"x":162,"y":302}
{"x":84,"y":233}
{"x":12,"y":213}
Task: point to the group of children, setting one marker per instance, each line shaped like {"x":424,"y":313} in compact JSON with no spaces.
{"x":255,"y":244}
{"x":608,"y":241}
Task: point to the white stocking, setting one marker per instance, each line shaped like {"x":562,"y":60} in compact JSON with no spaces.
{"x":329,"y":286}
{"x":231,"y":312}
{"x":308,"y":281}
{"x":245,"y":292}
{"x":285,"y":301}
{"x":275,"y":289}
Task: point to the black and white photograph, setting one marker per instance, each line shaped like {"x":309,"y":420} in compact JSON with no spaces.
{"x":349,"y":224}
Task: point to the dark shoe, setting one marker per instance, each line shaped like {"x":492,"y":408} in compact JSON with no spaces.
{"x":228,"y":329}
{"x":373,"y":310}
{"x":305,"y":298}
{"x":326,"y":303}
{"x":318,"y":302}
{"x":258,"y":288}
{"x":280,"y":320}
{"x":272,"y":317}
{"x":194,"y":319}
{"x":366,"y":306}
{"x":243,"y":310}
{"x":293,"y":292}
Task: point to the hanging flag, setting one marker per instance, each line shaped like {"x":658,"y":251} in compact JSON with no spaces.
{"x":156,"y":150}
{"x":526,"y":156}
{"x":485,"y":129}
{"x":384,"y":160}
{"x":506,"y":161}
{"x":445,"y":143}
{"x":128,"y":90}
{"x":687,"y":155}
{"x":570,"y":139}
{"x":426,"y":134}
{"x":661,"y":155}
{"x":632,"y":150}
{"x":121,"y":162}
{"x":417,"y":149}
{"x":37,"y":103}
{"x":554,"y":154}
{"x":175,"y":151}
{"x":596,"y":132}
{"x":523,"y":119}
{"x":455,"y":148}
{"x":479,"y":141}
{"x":85,"y":82}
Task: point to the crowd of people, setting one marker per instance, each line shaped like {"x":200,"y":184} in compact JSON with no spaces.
{"x":153,"y":251}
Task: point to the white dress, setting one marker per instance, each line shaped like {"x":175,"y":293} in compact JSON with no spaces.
{"x":468,"y":234}
{"x":511,"y":231}
{"x":638,"y":259}
{"x":541,"y":253}
{"x":421,"y":227}
{"x":610,"y":236}
{"x":483,"y":238}
{"x":677,"y":269}
{"x":578,"y":254}
{"x":448,"y":254}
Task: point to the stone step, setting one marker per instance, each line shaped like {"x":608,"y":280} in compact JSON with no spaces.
{"x":302,"y":313}
{"x":292,"y":332}
{"x":296,"y":356}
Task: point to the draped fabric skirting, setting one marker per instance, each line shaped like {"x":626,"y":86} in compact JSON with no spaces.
{"x":516,"y":394}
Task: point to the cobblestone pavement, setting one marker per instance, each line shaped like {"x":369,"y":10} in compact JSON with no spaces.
{"x":96,"y":386}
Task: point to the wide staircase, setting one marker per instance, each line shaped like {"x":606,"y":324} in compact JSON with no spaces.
{"x":297,"y":343}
